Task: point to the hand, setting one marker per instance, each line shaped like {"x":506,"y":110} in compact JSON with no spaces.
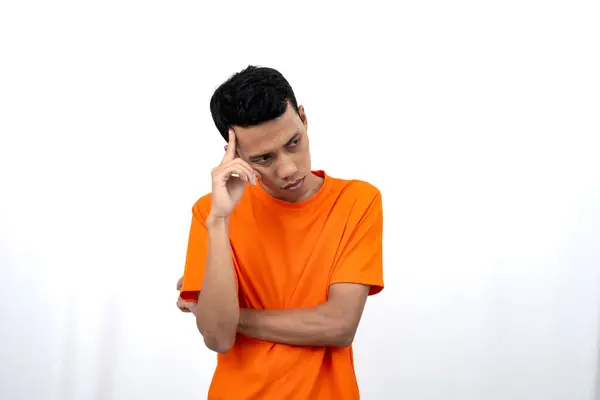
{"x":227,"y":189}
{"x":185,"y":306}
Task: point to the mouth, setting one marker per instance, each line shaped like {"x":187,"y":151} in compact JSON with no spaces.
{"x":297,"y":184}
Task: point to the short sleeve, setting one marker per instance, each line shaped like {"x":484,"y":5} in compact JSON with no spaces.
{"x":361,"y":257}
{"x":195,"y":260}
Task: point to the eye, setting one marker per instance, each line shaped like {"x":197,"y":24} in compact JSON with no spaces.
{"x":263,"y":160}
{"x":294,"y":142}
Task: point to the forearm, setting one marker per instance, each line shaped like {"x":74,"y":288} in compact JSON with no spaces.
{"x":218,"y":307}
{"x":316,"y":326}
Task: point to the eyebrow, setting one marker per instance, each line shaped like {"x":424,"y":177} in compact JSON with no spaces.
{"x":259,"y":156}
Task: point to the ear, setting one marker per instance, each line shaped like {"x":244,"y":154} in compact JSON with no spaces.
{"x":302,"y":115}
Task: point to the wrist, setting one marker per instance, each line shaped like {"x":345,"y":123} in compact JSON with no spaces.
{"x":217,"y":222}
{"x":245,"y":319}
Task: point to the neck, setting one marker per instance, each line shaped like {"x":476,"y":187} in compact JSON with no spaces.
{"x":313,"y":183}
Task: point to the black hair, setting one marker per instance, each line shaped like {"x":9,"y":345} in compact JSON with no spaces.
{"x":251,"y":97}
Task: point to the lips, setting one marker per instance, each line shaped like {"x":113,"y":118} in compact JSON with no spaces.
{"x":293,"y":184}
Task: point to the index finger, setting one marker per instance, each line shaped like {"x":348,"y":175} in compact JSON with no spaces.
{"x":230,"y":153}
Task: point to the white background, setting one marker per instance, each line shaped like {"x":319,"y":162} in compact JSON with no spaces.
{"x":478,"y":121}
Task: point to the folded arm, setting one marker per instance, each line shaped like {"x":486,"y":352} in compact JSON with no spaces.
{"x":333,"y":323}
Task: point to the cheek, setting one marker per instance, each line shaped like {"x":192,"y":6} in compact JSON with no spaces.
{"x":304,"y":159}
{"x":266,"y":177}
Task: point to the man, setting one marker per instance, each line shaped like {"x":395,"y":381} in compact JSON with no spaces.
{"x":280,"y":258}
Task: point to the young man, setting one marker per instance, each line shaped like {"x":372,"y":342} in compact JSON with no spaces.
{"x":280,"y":258}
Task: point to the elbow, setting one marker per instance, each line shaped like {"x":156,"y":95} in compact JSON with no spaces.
{"x":219,"y":345}
{"x":343,"y":340}
{"x":220,"y":342}
{"x":219,"y":337}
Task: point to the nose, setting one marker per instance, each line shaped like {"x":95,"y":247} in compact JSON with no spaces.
{"x":286,"y":168}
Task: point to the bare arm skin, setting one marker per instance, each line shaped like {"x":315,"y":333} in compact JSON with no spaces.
{"x":217,"y":312}
{"x":333,"y":323}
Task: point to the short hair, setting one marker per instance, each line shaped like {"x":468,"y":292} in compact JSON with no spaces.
{"x":251,"y":97}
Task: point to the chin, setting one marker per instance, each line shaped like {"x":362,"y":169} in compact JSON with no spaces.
{"x":290,"y":194}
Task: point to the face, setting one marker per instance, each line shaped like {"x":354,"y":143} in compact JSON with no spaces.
{"x":279,"y":151}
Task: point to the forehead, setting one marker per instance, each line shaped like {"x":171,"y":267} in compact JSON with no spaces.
{"x":268,"y":136}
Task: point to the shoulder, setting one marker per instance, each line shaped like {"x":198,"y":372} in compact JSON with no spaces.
{"x":356,"y":198}
{"x":356,"y":190}
{"x":201,"y":207}
{"x":359,"y":202}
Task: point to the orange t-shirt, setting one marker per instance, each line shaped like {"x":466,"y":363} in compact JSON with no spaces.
{"x":285,"y":256}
